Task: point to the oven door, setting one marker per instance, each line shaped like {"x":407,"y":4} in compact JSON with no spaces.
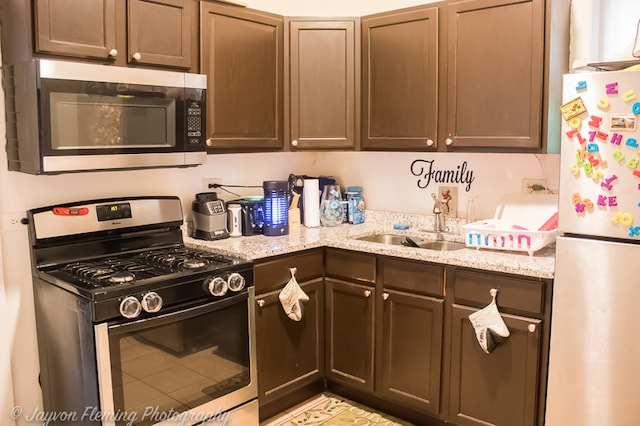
{"x":192,"y":364}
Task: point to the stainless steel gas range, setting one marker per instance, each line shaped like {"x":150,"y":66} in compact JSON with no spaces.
{"x":135,"y":328}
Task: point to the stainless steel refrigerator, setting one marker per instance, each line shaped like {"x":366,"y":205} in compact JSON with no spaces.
{"x":594,"y":365}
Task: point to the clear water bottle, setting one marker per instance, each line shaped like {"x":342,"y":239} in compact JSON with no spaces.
{"x":331,"y":207}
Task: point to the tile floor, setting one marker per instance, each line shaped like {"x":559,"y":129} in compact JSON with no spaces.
{"x":328,"y":409}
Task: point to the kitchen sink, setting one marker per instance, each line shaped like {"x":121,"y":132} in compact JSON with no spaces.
{"x":442,"y":245}
{"x":401,"y":240}
{"x":395,"y":240}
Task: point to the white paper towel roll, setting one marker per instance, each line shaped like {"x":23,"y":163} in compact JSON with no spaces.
{"x":311,"y":196}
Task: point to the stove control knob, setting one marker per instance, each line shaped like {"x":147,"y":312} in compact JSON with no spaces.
{"x":130,"y":307}
{"x":236,"y":282}
{"x":151,"y":302}
{"x":217,"y":286}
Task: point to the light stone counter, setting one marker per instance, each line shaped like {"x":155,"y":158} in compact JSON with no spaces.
{"x":540,"y":265}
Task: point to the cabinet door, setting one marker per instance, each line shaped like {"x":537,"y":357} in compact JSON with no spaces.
{"x":495,"y":73}
{"x":85,"y":29}
{"x":159,"y":32}
{"x":500,"y":388}
{"x":411,"y":350}
{"x":399,"y":79}
{"x":349,"y":333}
{"x":242,"y":57}
{"x":290,"y":353}
{"x":322,"y":83}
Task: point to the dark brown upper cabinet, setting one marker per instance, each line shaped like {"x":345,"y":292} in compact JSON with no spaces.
{"x":495,"y":66}
{"x":242,"y":55}
{"x":85,"y":29}
{"x":159,"y":32}
{"x":146,"y":32}
{"x":466,"y":75}
{"x":400,"y":79}
{"x":323,"y":75}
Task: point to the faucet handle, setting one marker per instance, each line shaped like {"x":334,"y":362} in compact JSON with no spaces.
{"x":437,"y":205}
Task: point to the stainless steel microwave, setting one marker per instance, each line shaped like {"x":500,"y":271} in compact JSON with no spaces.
{"x":69,"y":117}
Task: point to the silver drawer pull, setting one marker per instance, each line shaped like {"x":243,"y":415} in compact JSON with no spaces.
{"x":385,"y":296}
{"x":367,"y":293}
{"x":532,"y":328}
{"x":260,"y":302}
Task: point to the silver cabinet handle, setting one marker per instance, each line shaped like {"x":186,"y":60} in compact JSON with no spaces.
{"x":260,"y":302}
{"x":367,"y":293}
{"x":137,"y":56}
{"x":113,"y":53}
{"x":385,"y":296}
{"x":294,"y":142}
{"x":429,"y":142}
{"x":210,"y":142}
{"x":532,"y":328}
{"x":448,"y":141}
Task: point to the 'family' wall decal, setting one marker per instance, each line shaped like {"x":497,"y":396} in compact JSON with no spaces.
{"x":427,"y":173}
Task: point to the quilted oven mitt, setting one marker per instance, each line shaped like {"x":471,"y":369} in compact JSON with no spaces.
{"x":292,"y":297}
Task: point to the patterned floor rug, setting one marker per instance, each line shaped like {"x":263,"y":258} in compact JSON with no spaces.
{"x":333,"y":410}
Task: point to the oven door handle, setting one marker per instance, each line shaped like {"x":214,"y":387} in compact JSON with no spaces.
{"x":177,"y":315}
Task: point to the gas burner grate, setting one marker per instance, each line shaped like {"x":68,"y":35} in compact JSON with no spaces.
{"x":129,"y":268}
{"x":182,"y":259}
{"x":108,"y":272}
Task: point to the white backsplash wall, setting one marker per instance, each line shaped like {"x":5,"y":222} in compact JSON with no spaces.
{"x":387,"y":178}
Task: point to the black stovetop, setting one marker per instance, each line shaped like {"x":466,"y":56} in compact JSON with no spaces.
{"x":132,"y":268}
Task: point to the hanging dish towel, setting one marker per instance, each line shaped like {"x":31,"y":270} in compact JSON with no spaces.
{"x":489,"y":326}
{"x":292,"y":296}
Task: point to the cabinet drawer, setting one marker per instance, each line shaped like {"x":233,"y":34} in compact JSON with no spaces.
{"x":351,"y":265}
{"x":514,"y":293}
{"x":274,"y":274}
{"x":413,"y":276}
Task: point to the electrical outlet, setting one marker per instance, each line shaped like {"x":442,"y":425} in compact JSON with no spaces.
{"x":533,"y":186}
{"x":12,"y":221}
{"x":207,"y":184}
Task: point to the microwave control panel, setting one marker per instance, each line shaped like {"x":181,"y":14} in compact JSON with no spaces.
{"x":194,"y":124}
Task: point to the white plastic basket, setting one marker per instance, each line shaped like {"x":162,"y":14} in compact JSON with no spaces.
{"x":515,"y":225}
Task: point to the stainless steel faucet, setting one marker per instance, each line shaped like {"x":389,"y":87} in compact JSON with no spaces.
{"x":438,"y":216}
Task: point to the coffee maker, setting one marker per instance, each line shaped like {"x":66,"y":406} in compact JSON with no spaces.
{"x":209,"y":217}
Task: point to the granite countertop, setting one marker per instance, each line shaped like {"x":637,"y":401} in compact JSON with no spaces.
{"x":540,"y":265}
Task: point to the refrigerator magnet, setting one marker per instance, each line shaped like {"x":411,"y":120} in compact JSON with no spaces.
{"x":572,"y":109}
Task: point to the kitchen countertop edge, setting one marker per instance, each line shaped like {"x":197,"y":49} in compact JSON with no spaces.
{"x":259,"y":247}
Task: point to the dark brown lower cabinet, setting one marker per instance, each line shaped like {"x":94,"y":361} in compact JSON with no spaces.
{"x":397,"y":337}
{"x":290,"y":353}
{"x":499,"y":388}
{"x":411,"y":353}
{"x":506,"y":386}
{"x":350,"y":333}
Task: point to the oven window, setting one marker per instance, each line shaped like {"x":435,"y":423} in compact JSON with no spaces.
{"x":180,"y":365}
{"x":91,"y":121}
